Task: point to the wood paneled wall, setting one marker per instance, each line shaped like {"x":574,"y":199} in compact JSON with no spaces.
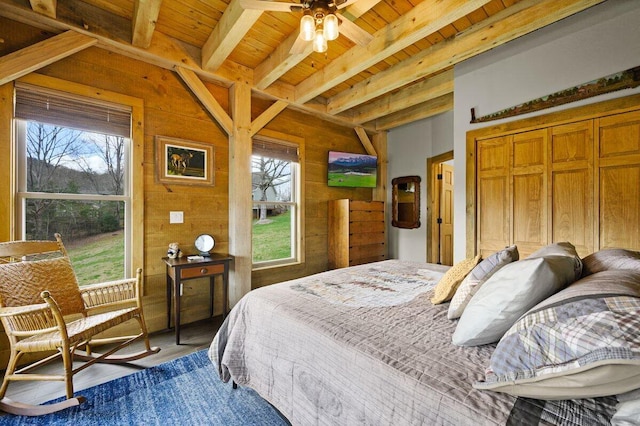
{"x":569,"y":176}
{"x":171,"y":110}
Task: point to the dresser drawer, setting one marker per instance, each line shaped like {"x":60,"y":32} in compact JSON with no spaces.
{"x":201,"y":271}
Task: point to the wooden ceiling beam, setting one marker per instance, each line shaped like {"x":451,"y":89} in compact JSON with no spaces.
{"x":431,"y":88}
{"x":232,"y":27}
{"x":279,"y":62}
{"x":357,"y":9}
{"x":36,"y":56}
{"x":421,"y":21}
{"x":416,"y":112}
{"x":45,"y":7}
{"x":508,"y":24}
{"x":165,"y":52}
{"x":145,"y":16}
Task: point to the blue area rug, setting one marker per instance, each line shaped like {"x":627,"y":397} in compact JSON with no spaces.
{"x":185,"y":391}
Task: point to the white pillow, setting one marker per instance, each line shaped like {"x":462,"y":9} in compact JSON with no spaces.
{"x":477,"y":277}
{"x":512,"y":291}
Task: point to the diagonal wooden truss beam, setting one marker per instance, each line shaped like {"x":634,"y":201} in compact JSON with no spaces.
{"x":145,"y":16}
{"x":232,"y":27}
{"x":36,"y":56}
{"x":263,"y":119}
{"x":365,"y":141}
{"x":508,"y":24}
{"x":206,"y":98}
{"x":421,"y":21}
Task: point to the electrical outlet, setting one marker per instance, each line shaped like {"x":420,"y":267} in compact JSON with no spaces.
{"x":176,"y":217}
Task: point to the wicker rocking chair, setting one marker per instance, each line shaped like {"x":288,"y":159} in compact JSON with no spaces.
{"x":43,"y":309}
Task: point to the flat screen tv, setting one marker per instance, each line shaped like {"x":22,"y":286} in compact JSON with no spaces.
{"x":352,"y":170}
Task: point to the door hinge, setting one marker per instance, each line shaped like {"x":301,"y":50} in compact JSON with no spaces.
{"x":439,"y":177}
{"x":439,"y":220}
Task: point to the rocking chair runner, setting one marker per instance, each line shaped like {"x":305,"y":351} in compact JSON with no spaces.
{"x":43,"y":309}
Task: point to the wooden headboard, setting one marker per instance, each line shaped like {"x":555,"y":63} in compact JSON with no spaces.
{"x":572,"y":175}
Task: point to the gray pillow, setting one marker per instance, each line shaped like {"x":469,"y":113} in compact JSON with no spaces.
{"x":580,"y":343}
{"x":513,"y":290}
{"x":609,"y":259}
{"x":477,"y":277}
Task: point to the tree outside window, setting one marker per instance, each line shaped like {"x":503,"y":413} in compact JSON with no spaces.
{"x":73,"y":183}
{"x":274,"y":210}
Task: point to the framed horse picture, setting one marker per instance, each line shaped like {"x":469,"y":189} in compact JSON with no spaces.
{"x":184,"y":162}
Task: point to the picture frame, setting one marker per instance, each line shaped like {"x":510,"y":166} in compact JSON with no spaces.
{"x":184,"y":162}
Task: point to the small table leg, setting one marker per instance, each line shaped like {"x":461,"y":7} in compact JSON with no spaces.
{"x":169,"y":284}
{"x":225,"y":290}
{"x":176,"y":309}
{"x":212,"y":281}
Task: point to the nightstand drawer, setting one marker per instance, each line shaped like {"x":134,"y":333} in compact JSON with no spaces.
{"x":201,"y":271}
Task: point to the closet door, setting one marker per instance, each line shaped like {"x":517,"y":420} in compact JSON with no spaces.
{"x":493,"y":194}
{"x":529,"y":191}
{"x":571,"y":185}
{"x":618,"y":183}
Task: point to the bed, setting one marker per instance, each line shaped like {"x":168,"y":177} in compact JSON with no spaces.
{"x":366,"y":345}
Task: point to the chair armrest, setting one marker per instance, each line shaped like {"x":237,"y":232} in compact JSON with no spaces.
{"x":22,"y":321}
{"x":110,"y":293}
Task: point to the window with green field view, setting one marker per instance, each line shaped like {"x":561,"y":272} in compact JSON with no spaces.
{"x":72,"y":171}
{"x":274,"y":182}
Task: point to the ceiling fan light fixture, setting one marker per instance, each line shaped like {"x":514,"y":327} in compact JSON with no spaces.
{"x":319,"y":42}
{"x":330,"y":27}
{"x":307,"y":27}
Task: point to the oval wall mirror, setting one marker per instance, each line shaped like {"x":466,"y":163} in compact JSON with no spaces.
{"x":406,"y":202}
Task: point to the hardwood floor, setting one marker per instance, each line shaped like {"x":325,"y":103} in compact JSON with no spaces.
{"x":193,"y":337}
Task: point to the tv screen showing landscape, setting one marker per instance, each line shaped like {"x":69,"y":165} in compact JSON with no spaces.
{"x":352,"y":170}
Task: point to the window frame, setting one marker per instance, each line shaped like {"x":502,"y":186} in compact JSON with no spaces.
{"x":134,"y":218}
{"x":297,"y":194}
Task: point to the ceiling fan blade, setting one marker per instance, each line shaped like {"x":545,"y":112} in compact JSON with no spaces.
{"x":340,"y":4}
{"x":300,"y":46}
{"x":354,"y":32}
{"x":272,"y":6}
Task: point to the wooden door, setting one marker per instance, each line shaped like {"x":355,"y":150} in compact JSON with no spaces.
{"x":493,"y":194}
{"x":618,"y":182}
{"x":446,"y":214}
{"x":571,"y":185}
{"x":528,"y":191}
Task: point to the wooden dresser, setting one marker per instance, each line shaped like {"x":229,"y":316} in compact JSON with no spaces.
{"x":356,"y":232}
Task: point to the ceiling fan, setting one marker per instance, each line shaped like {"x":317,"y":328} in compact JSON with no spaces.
{"x":319,"y":22}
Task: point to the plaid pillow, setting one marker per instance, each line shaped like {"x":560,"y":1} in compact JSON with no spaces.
{"x":582,"y":342}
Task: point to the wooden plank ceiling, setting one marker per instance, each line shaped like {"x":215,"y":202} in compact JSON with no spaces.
{"x":405,"y":73}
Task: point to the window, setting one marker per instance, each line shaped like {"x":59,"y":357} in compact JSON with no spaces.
{"x":74,"y":177}
{"x":275,"y":182}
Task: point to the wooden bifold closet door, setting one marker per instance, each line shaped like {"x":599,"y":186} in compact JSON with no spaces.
{"x":576,"y":182}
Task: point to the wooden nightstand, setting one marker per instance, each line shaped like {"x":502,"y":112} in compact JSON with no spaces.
{"x":181,"y":269}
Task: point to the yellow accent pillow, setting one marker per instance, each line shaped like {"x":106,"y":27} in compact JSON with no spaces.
{"x":448,"y":284}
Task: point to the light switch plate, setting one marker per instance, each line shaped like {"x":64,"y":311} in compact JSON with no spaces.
{"x":176,"y":217}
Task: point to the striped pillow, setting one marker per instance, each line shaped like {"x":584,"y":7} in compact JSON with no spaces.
{"x":481,"y":273}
